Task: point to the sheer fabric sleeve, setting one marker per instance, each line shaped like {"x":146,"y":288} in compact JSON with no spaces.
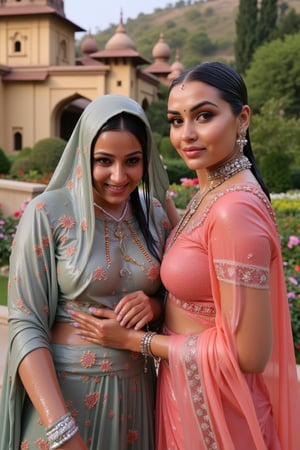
{"x":241,"y":245}
{"x":33,"y":290}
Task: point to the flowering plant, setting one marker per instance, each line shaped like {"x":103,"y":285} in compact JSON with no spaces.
{"x":183,"y":193}
{"x":33,"y":176}
{"x":289,"y":228}
{"x":8,"y":227}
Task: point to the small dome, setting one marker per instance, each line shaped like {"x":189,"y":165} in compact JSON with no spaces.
{"x":89,"y":45}
{"x":177,"y":66}
{"x":120,"y":40}
{"x":161,"y":50}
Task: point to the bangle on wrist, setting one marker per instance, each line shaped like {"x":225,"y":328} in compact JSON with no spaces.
{"x":145,"y":346}
{"x":61,"y":431}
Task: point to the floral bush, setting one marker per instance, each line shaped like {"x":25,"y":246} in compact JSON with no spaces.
{"x":182,"y":193}
{"x":286,"y":206}
{"x":287,"y":213}
{"x":8,"y":227}
{"x":33,"y":176}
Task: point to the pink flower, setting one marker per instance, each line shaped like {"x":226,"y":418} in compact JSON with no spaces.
{"x":293,"y":240}
{"x":293,"y":281}
{"x":186,"y":182}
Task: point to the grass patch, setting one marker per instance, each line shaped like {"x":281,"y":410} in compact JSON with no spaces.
{"x":3,"y":290}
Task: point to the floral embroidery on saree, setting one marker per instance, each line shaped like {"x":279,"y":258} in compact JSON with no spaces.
{"x":242,"y":274}
{"x":196,"y":394}
{"x":238,"y":187}
{"x":206,"y":309}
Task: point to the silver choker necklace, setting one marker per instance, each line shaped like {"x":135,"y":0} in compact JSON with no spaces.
{"x":110,"y":215}
{"x":230,"y":168}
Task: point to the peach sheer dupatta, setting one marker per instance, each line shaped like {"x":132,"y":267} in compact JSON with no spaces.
{"x":219,"y":406}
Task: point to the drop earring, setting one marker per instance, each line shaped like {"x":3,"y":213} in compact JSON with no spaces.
{"x":241,"y":140}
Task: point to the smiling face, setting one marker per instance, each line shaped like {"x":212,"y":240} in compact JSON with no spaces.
{"x":203,"y":127}
{"x":117,"y":167}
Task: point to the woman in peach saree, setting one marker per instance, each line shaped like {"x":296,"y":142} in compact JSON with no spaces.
{"x":227,"y":377}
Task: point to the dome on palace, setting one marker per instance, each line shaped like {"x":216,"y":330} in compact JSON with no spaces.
{"x":89,"y":45}
{"x":120,"y":40}
{"x":177,"y":66}
{"x":161,"y":50}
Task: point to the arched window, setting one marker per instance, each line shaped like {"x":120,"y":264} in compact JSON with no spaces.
{"x":18,"y":141}
{"x":17,"y":46}
{"x":63,"y":50}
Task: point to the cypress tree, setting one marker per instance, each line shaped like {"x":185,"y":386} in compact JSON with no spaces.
{"x":246,"y":26}
{"x":267,"y":21}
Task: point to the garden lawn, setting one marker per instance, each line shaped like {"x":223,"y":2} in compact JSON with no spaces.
{"x":3,"y":290}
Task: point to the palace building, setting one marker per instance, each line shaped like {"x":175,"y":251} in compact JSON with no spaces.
{"x":44,"y":87}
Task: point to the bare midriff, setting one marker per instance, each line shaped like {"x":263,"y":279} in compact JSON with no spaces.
{"x":65,"y":334}
{"x":179,"y":322}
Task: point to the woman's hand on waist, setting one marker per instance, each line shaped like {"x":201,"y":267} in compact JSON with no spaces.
{"x":137,"y":309}
{"x":100,"y":327}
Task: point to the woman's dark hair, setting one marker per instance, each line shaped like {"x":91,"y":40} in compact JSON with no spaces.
{"x":232,"y":90}
{"x":135,"y":125}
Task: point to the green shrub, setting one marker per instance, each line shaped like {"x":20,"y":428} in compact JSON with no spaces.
{"x":157,"y":138}
{"x":4,"y":162}
{"x":26,"y":151}
{"x":8,"y":228}
{"x":289,"y":230}
{"x":46,"y":153}
{"x":11,"y":157}
{"x":275,"y":168}
{"x":295,"y":174}
{"x":166,"y":149}
{"x":177,"y":170}
{"x":181,"y":195}
{"x":21,"y":166}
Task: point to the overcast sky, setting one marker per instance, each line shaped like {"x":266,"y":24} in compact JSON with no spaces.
{"x":96,"y":15}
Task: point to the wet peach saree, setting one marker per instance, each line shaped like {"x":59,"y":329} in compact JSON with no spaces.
{"x":204,"y":400}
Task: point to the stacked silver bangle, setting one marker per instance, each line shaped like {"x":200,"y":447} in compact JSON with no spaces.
{"x":61,"y":431}
{"x":145,"y":347}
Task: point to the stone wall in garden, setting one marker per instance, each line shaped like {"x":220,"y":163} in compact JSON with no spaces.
{"x":14,"y":193}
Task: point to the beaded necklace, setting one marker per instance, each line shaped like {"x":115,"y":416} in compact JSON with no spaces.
{"x":110,"y":215}
{"x":229,"y":168}
{"x":195,"y":203}
{"x":221,"y":173}
{"x":119,"y":233}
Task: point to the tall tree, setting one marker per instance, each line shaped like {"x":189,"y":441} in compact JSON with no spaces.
{"x":246,"y":25}
{"x":267,"y":21}
{"x":275,"y":73}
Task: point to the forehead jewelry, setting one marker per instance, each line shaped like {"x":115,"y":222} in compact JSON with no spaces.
{"x":181,"y":87}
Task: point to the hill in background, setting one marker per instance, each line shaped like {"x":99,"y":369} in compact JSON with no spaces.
{"x":203,"y":30}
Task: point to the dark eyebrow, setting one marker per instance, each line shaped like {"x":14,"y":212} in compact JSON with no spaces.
{"x":103,"y":153}
{"x":199,"y":105}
